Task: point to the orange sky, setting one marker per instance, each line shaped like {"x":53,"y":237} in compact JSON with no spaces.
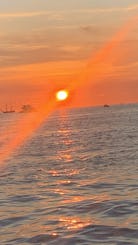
{"x":47,"y":46}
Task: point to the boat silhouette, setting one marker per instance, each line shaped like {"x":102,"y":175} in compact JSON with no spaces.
{"x":27,"y":108}
{"x":106,"y":105}
{"x":8,"y":110}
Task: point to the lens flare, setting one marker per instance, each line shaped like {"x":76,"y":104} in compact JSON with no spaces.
{"x":62,"y":95}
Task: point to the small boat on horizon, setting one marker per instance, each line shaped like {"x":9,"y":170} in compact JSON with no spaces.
{"x":27,"y":109}
{"x":8,"y":110}
{"x":106,"y":105}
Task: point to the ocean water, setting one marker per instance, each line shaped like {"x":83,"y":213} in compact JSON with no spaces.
{"x":74,"y":181}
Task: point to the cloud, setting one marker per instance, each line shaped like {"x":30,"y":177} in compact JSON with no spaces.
{"x":34,"y":48}
{"x":50,"y":14}
{"x":108,"y":10}
{"x":133,"y":7}
{"x":40,"y":46}
{"x":70,"y":48}
{"x":21,"y":14}
{"x":19,"y":54}
{"x":59,"y":15}
{"x":94,"y":29}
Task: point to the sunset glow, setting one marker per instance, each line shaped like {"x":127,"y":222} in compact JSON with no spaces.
{"x":92,"y":69}
{"x":99,"y":73}
{"x":54,"y":48}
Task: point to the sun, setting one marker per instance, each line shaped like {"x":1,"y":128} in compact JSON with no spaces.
{"x":62,"y":95}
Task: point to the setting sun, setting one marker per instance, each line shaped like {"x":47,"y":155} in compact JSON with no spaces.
{"x":62,"y":95}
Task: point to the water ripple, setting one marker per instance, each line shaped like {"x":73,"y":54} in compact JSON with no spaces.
{"x":74,"y":182}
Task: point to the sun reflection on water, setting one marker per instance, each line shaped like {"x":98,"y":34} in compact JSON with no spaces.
{"x":73,"y":223}
{"x":65,"y":137}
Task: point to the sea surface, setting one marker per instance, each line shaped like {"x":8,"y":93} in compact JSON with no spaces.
{"x":74,"y":181}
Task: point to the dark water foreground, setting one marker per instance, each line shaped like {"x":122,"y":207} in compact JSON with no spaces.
{"x":74,"y":182}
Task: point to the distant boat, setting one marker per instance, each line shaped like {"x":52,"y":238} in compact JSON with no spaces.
{"x":8,"y":110}
{"x":106,"y":105}
{"x":27,"y":108}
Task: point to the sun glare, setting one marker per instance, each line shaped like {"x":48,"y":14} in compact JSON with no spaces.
{"x":62,"y":95}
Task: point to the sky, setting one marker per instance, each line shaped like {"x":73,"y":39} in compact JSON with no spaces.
{"x":90,"y":46}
